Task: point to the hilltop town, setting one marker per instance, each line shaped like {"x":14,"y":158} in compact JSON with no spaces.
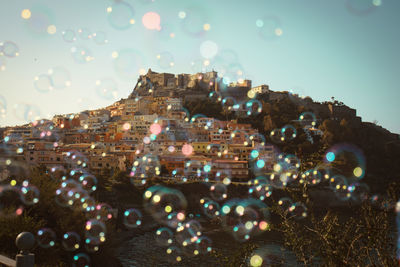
{"x":198,"y":141}
{"x":153,"y":120}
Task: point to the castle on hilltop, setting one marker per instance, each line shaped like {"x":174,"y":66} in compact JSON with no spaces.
{"x":199,"y":86}
{"x":191,"y":86}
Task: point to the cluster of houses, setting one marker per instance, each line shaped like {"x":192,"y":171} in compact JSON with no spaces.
{"x":152,"y":120}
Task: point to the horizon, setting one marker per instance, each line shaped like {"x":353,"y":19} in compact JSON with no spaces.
{"x":268,"y":43}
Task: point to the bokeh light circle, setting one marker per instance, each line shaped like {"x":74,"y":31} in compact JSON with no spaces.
{"x":151,"y":21}
{"x":120,"y":15}
{"x":208,"y":49}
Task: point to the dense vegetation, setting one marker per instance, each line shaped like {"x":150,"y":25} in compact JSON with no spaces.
{"x":344,"y":236}
{"x":47,"y":214}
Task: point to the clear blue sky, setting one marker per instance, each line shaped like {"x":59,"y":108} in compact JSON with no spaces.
{"x":348,"y":49}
